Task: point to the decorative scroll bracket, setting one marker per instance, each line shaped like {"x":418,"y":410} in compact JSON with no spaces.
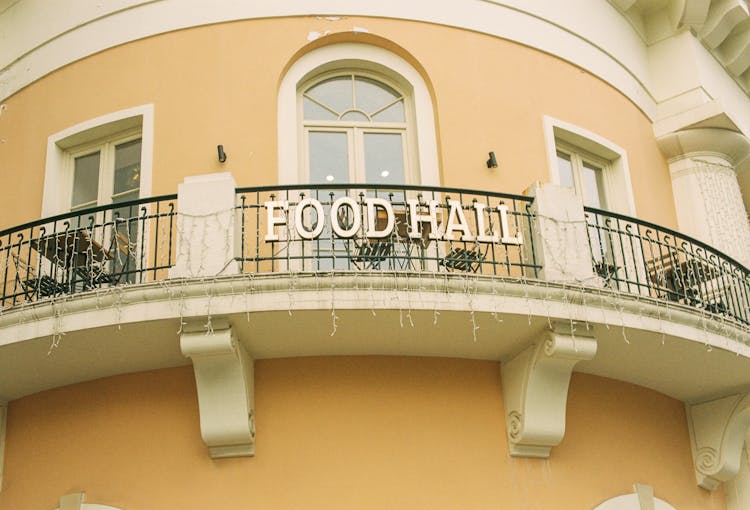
{"x":224,"y":377}
{"x":717,"y":434}
{"x":535,"y":390}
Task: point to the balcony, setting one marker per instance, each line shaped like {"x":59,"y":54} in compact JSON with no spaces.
{"x":359,"y":270}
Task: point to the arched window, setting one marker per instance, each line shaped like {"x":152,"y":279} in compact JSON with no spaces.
{"x":360,"y":110}
{"x":355,"y":128}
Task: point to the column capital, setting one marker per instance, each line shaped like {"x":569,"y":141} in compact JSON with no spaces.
{"x":732,"y":146}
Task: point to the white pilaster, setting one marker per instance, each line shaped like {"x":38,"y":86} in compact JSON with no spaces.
{"x":709,"y":204}
{"x":535,"y":390}
{"x":708,"y":200}
{"x":206,"y":227}
{"x":561,"y":243}
{"x":224,"y":378}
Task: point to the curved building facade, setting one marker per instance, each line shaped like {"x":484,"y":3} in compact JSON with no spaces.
{"x":469,"y":254}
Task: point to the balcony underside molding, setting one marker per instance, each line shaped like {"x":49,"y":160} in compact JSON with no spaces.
{"x":224,"y":378}
{"x":535,"y":390}
{"x":717,"y":436}
{"x":467,"y":316}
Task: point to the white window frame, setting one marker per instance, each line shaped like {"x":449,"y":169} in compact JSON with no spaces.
{"x":384,"y":66}
{"x":613,"y":159}
{"x":114,"y":128}
{"x":106,"y":149}
{"x":579,"y":157}
{"x":357,"y":129}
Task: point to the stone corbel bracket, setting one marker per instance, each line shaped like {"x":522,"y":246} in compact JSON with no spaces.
{"x":224,"y":377}
{"x":717,"y":434}
{"x":535,"y":391}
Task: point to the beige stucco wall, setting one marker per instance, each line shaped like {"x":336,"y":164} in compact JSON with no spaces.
{"x":342,"y":433}
{"x":219,"y":84}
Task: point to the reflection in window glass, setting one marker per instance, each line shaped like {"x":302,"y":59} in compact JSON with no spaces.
{"x":127,"y":171}
{"x":314,"y":111}
{"x":329,"y":157}
{"x":336,"y":93}
{"x":593,"y":186}
{"x":384,"y":158}
{"x":372,"y":96}
{"x":565,"y":169}
{"x":85,"y":181}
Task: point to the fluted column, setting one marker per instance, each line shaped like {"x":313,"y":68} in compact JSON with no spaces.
{"x":707,"y":195}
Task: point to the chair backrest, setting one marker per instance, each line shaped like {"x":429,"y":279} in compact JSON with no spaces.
{"x":123,"y":245}
{"x":24,"y":271}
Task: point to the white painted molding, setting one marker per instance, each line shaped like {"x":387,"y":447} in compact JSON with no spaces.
{"x":535,"y":390}
{"x":723,"y":16}
{"x":3,"y":427}
{"x":734,"y":146}
{"x":58,"y":180}
{"x":689,"y":13}
{"x":72,"y":501}
{"x":206,"y":227}
{"x":224,"y":378}
{"x":717,"y":436}
{"x":620,"y":197}
{"x":601,"y":42}
{"x":349,"y":55}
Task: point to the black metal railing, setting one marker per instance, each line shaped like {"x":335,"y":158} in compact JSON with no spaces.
{"x":128,"y":242}
{"x":638,"y":257}
{"x":304,"y":238}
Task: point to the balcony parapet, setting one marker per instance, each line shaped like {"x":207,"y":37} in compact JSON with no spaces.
{"x":333,"y":229}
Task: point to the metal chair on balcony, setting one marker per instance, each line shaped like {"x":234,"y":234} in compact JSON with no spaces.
{"x":35,"y":286}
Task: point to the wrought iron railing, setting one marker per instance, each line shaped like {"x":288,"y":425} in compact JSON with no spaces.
{"x":128,"y":242}
{"x":491,"y":232}
{"x":374,"y":228}
{"x":638,"y":257}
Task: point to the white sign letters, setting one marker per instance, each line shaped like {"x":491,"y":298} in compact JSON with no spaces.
{"x":346,"y":219}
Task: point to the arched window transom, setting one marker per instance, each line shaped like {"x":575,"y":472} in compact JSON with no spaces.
{"x":355,"y":129}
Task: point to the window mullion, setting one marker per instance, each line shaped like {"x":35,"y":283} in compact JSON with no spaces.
{"x":356,"y":155}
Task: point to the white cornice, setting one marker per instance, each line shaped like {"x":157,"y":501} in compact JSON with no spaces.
{"x":601,"y":42}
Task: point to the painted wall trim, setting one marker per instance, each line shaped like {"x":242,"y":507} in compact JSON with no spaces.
{"x":603,"y":42}
{"x":288,"y":123}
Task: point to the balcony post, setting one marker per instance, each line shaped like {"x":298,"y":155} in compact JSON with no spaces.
{"x":206,"y":227}
{"x":561,"y":243}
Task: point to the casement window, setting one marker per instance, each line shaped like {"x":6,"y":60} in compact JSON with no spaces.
{"x":355,"y":129}
{"x":584,"y":172}
{"x":593,"y":166}
{"x":106,"y":172}
{"x":105,"y":160}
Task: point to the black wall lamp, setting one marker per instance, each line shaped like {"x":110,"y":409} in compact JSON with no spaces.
{"x":222,"y":154}
{"x":491,"y":163}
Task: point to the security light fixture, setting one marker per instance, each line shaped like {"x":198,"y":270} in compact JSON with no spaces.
{"x":492,"y":162}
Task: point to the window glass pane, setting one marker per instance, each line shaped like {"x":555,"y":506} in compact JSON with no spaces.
{"x":565,"y":169}
{"x":329,"y":157}
{"x":371,"y":96}
{"x":335,"y":93}
{"x":314,"y":111}
{"x":394,"y":113}
{"x":127,"y":170}
{"x":86,"y":180}
{"x":384,"y":158}
{"x":593,"y":186}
